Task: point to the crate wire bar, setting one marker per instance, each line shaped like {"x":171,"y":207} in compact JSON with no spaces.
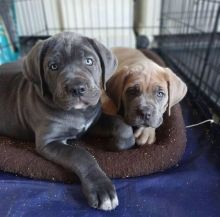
{"x":190,"y":41}
{"x":108,"y":21}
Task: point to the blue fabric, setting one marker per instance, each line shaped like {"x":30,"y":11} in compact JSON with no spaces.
{"x":9,"y":42}
{"x":191,"y":189}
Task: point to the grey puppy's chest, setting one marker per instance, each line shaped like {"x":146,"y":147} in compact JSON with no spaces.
{"x":74,"y":124}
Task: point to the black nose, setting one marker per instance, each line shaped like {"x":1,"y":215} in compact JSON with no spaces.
{"x":78,"y":90}
{"x":146,"y":112}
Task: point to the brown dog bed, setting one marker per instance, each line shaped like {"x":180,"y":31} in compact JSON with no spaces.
{"x":20,"y":157}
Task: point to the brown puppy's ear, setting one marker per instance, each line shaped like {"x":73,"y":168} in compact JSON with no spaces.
{"x":33,"y":66}
{"x":115,"y":86}
{"x":107,"y":59}
{"x":176,"y":88}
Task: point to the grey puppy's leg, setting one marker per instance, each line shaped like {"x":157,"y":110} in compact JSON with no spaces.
{"x":119,"y":136}
{"x":96,"y":186}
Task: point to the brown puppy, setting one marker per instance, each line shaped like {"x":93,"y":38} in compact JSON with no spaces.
{"x":141,"y":91}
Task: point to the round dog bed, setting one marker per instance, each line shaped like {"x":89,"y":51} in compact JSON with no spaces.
{"x":20,"y":157}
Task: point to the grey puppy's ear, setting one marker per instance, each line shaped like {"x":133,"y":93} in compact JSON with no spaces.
{"x":33,"y":67}
{"x":107,"y":59}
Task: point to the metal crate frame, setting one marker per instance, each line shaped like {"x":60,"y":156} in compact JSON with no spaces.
{"x":38,"y":23}
{"x":189,"y":41}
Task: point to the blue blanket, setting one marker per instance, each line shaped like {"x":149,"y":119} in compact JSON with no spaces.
{"x":190,"y":189}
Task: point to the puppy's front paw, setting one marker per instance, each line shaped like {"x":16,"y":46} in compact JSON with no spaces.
{"x":145,"y":135}
{"x":122,"y":137}
{"x":101,"y":194}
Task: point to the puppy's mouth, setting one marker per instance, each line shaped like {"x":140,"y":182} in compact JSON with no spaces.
{"x":67,"y":102}
{"x":84,"y":102}
{"x":139,"y":122}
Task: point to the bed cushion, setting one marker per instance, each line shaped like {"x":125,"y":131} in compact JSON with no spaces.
{"x":20,"y":157}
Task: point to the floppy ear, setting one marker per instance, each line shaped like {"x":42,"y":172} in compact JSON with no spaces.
{"x":115,"y":86}
{"x":176,"y":88}
{"x":107,"y":59}
{"x":33,"y":66}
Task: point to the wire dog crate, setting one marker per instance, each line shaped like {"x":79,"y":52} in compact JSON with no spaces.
{"x":184,"y":32}
{"x":190,"y":41}
{"x":108,"y":21}
{"x":111,"y":22}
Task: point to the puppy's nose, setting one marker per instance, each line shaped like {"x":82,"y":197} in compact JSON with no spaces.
{"x":78,"y":90}
{"x":146,"y":112}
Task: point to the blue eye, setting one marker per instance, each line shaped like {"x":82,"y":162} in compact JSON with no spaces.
{"x":53,"y":67}
{"x":89,"y":61}
{"x":160,"y":94}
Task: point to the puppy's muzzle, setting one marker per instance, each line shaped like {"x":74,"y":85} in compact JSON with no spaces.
{"x":145,"y":112}
{"x":77,"y":87}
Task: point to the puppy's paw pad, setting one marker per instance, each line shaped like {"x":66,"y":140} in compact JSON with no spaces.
{"x":106,"y":204}
{"x":109,"y":204}
{"x":146,"y":136}
{"x":101,"y":195}
{"x":138,"y":132}
{"x":141,"y":142}
{"x":115,"y":201}
{"x":94,"y":204}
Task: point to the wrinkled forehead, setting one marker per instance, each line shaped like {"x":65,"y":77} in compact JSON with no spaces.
{"x":69,"y":47}
{"x":158,"y":79}
{"x":136,"y":77}
{"x":147,"y":80}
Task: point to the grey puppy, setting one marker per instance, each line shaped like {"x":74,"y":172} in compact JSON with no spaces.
{"x":54,"y":95}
